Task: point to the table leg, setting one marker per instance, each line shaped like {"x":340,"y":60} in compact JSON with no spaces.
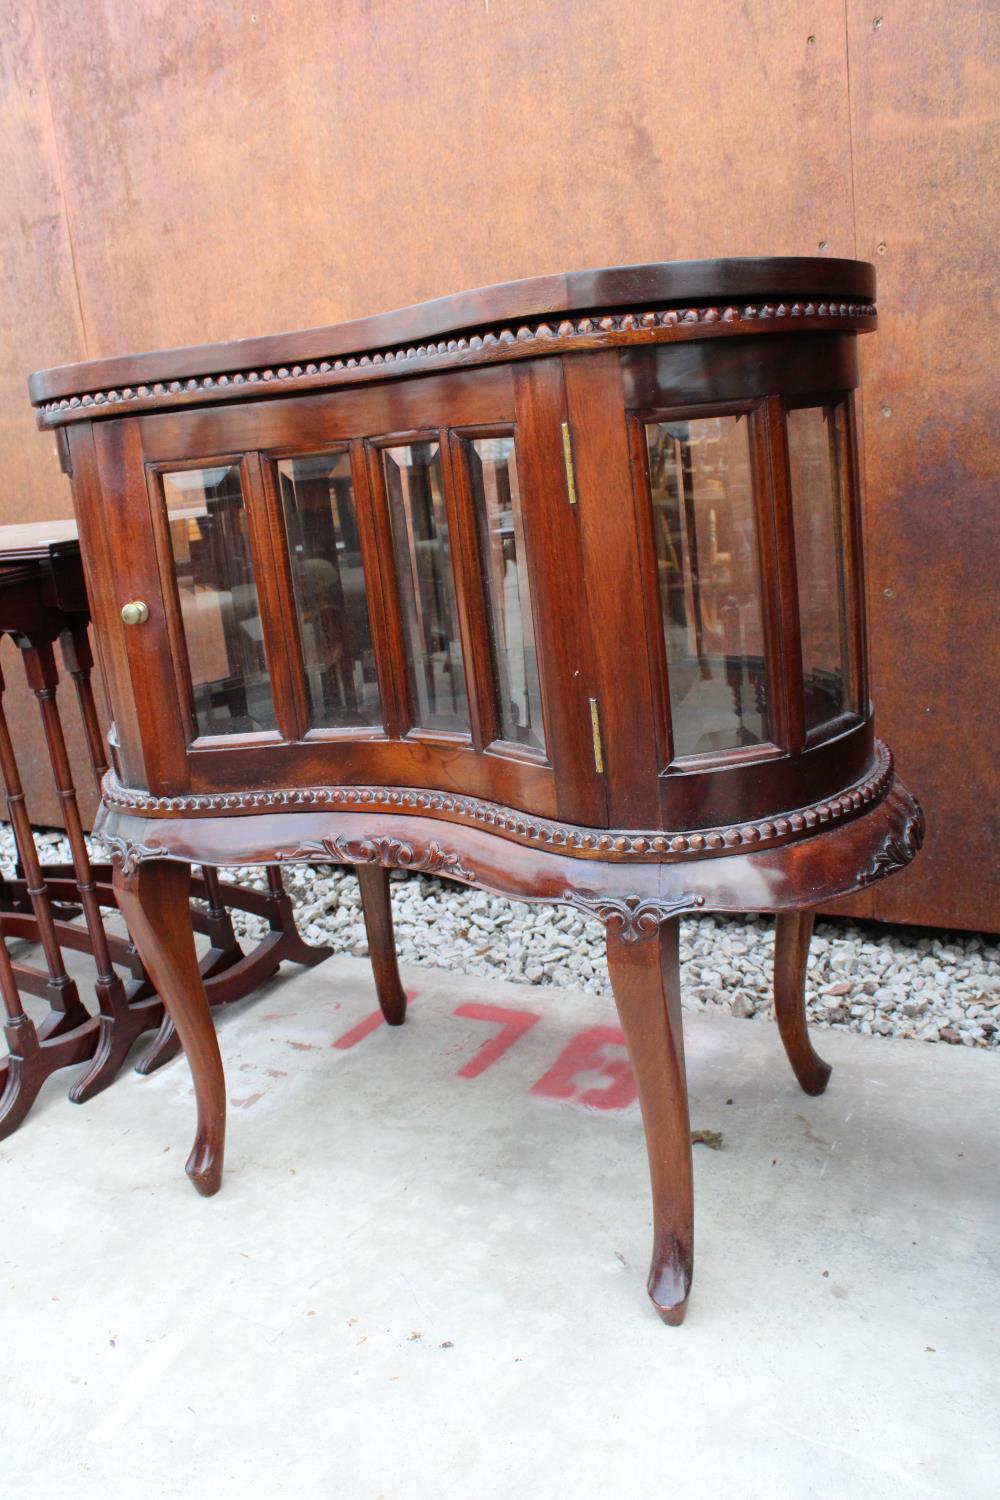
{"x":645,"y":978}
{"x":377,"y":907}
{"x":229,"y":974}
{"x":791,"y":955}
{"x":120,"y":1024}
{"x":79,"y":663}
{"x":67,"y":1010}
{"x":154,"y":900}
{"x":31,"y":1058}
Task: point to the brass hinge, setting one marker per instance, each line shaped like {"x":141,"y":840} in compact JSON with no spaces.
{"x":595,"y":725}
{"x":568,"y":461}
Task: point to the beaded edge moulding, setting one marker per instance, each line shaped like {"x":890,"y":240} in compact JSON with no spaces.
{"x":656,"y":325}
{"x":589,"y":842}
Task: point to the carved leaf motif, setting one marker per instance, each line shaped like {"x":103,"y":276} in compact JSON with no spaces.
{"x":127,"y":855}
{"x":897,"y":849}
{"x":634,"y":916}
{"x":434,"y":859}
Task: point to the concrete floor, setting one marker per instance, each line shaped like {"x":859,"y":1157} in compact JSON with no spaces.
{"x":417,"y":1284}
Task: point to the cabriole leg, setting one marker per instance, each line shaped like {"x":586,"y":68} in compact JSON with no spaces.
{"x":154,"y":901}
{"x":645,"y":977}
{"x":791,"y":955}
{"x":377,"y":907}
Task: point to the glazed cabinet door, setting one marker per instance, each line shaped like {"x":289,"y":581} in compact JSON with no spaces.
{"x":374,"y":587}
{"x":747,"y":522}
{"x":123,"y":567}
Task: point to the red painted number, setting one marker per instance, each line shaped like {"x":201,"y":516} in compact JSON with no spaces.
{"x":366,"y":1027}
{"x":587,"y":1054}
{"x":513,"y":1024}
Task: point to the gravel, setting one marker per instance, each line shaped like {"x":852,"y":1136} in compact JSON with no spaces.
{"x":930,"y":985}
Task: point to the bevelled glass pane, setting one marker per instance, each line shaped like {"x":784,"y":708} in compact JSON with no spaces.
{"x":815,"y":445}
{"x":426,"y":586}
{"x":493,"y":477}
{"x":706,"y":552}
{"x":317,"y":494}
{"x":218,"y":595}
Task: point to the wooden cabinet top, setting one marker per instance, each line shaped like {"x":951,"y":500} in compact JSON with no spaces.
{"x":629,"y":304}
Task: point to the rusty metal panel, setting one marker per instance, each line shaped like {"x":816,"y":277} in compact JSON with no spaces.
{"x":287,"y":165}
{"x":924,"y":88}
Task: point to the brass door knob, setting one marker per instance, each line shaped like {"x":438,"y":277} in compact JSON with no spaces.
{"x":136,"y":612}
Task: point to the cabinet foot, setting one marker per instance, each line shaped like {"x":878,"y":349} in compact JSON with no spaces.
{"x":204,"y":1166}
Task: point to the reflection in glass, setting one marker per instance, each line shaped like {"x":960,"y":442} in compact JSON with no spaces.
{"x":815,"y":447}
{"x":426,"y":586}
{"x":317,"y":495}
{"x":497,"y":501}
{"x":218,"y":595}
{"x":706,"y":551}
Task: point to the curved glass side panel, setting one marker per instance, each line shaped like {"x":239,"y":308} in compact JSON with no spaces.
{"x":220,"y":610}
{"x":816,"y":458}
{"x":426,"y":585}
{"x":705,"y":530}
{"x":317,"y":497}
{"x":497,"y":501}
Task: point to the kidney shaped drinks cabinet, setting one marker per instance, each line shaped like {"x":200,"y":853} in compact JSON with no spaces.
{"x":555,"y":588}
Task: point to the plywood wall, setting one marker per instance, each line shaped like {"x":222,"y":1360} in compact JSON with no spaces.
{"x":186,"y":172}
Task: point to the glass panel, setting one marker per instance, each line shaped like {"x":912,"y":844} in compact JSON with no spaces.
{"x":317,"y":494}
{"x":493,"y":476}
{"x":815,"y":446}
{"x":706,"y":552}
{"x":219,"y":606}
{"x":426,"y":586}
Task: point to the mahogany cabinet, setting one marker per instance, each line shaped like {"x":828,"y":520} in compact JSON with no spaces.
{"x":555,"y":588}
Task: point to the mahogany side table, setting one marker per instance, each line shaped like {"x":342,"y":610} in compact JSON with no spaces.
{"x":555,"y":588}
{"x":43,"y":599}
